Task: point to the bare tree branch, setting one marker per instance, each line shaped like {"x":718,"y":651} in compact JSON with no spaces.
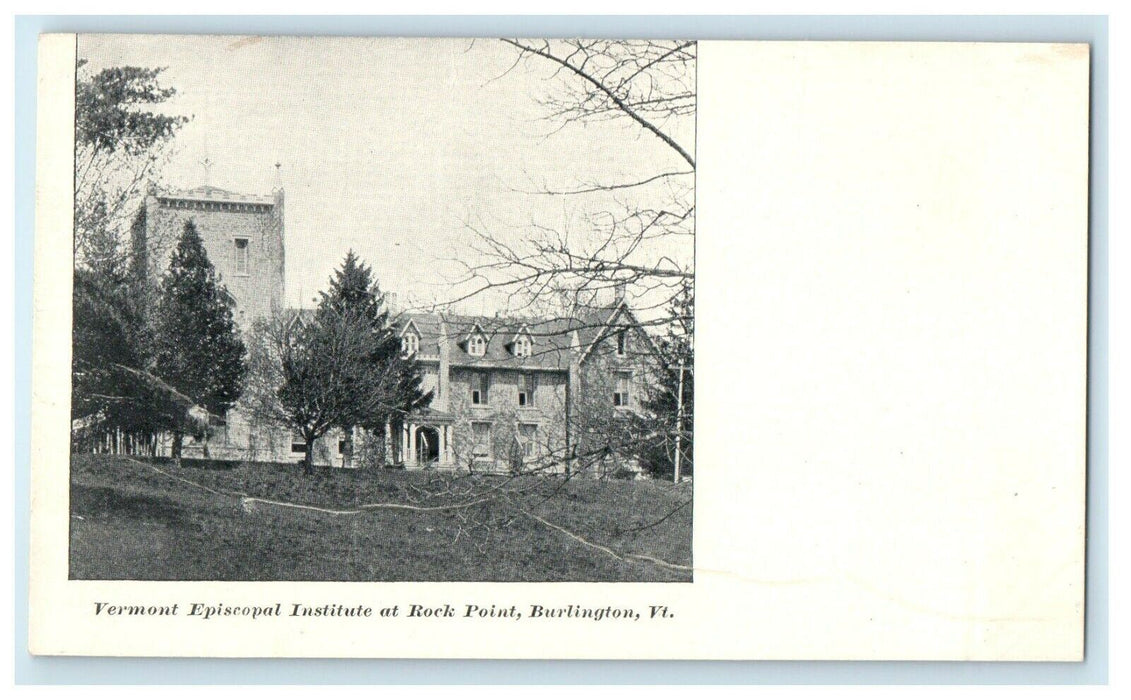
{"x":628,"y":110}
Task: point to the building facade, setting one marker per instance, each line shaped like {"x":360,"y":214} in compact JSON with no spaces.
{"x":526,"y":395}
{"x":243,"y":235}
{"x":531,"y":395}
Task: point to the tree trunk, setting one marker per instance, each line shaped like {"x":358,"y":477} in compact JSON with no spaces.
{"x":308,"y":457}
{"x":347,"y":453}
{"x":177,"y":440}
{"x":387,"y":446}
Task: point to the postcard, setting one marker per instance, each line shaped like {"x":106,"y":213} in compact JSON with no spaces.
{"x":559,"y":348}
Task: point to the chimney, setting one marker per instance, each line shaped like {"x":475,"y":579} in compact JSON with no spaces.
{"x":278,"y":177}
{"x":444,"y":378}
{"x":391,"y":304}
{"x":618,"y":292}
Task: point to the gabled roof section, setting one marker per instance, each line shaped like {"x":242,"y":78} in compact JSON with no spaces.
{"x":475,"y":329}
{"x":410,"y":326}
{"x":427,"y":328}
{"x":599,"y":332}
{"x":300,"y":317}
{"x":523,"y":332}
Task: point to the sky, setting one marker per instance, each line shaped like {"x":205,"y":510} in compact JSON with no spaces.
{"x":387,"y":147}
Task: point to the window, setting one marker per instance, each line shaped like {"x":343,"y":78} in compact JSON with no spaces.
{"x":241,"y":256}
{"x":528,"y":437}
{"x":522,"y":347}
{"x":341,"y":447}
{"x":621,"y":394}
{"x":526,"y":386}
{"x":298,"y":443}
{"x":481,"y":434}
{"x":621,"y":343}
{"x":480,"y":382}
{"x":410,"y":344}
{"x":476,"y":345}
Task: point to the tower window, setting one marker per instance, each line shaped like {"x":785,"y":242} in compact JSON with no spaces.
{"x":241,"y":256}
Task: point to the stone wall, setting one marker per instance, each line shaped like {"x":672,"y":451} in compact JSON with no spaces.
{"x":600,"y":427}
{"x":258,"y":290}
{"x":506,"y":418}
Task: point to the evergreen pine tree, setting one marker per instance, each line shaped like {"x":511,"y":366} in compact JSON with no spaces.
{"x":197,"y":347}
{"x":354,"y":292}
{"x":112,"y":391}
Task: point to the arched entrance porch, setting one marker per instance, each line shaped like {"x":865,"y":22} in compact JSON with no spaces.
{"x":427,"y":445}
{"x":426,"y":439}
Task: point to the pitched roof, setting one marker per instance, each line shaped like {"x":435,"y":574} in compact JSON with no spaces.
{"x":551,"y":338}
{"x":550,"y":341}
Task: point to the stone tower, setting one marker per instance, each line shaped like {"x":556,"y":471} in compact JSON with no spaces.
{"x":242,"y":234}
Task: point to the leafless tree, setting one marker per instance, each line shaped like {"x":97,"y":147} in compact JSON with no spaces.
{"x":632,"y":236}
{"x":636,"y":233}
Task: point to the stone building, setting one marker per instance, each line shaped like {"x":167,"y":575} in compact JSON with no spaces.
{"x":508,"y":394}
{"x":523,"y":394}
{"x":244,"y":238}
{"x":243,"y":235}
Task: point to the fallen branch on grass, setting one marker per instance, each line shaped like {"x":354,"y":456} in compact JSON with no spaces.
{"x":248,"y":504}
{"x":600,"y":547}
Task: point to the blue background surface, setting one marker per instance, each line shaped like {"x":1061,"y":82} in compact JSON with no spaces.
{"x":1089,"y":29}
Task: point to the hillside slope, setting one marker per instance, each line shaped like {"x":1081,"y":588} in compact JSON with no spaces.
{"x":130,"y":521}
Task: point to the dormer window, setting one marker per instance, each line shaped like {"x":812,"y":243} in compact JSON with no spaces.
{"x":522,"y":346}
{"x":410,"y":344}
{"x":477,"y":345}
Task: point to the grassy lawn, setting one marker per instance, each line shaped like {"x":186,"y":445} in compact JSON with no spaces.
{"x":129,"y":522}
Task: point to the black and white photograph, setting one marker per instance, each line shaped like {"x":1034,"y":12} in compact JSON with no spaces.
{"x":383,"y":309}
{"x":616,"y":347}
